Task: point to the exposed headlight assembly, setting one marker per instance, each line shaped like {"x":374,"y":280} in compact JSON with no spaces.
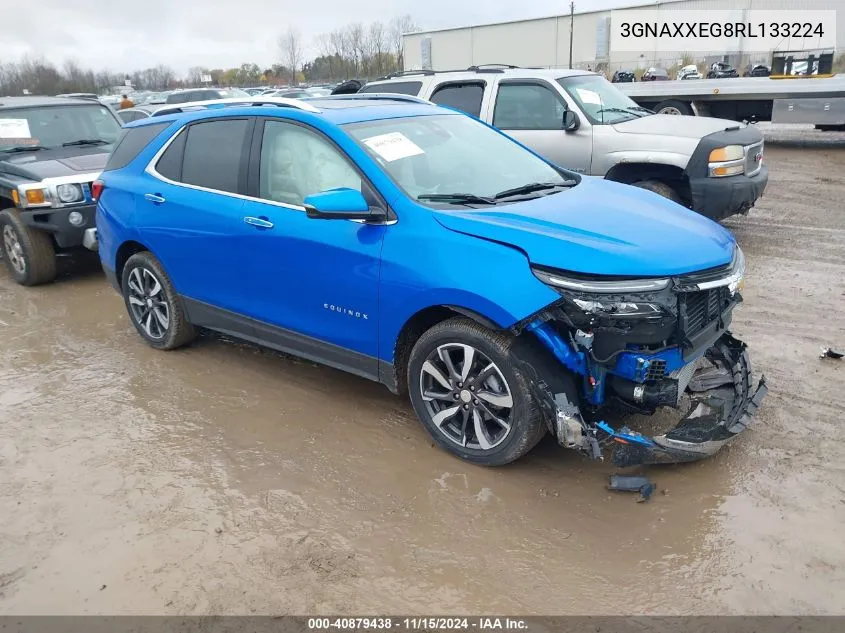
{"x":602,"y":298}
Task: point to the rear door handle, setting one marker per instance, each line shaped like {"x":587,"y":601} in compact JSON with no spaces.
{"x":261,"y":223}
{"x":153,"y":197}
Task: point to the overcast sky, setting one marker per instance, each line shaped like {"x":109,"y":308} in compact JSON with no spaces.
{"x":125,"y":35}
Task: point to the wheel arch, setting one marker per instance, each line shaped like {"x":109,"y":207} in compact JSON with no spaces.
{"x":126,"y":250}
{"x":672,"y":175}
{"x":413,"y":328}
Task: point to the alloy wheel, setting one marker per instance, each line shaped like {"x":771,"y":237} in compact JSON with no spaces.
{"x":148,"y":303}
{"x":466,"y":396}
{"x":13,"y":249}
{"x":670,"y":110}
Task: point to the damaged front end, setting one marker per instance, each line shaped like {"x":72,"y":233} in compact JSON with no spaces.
{"x":643,"y":344}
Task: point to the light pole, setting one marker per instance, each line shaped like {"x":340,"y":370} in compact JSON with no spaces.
{"x":571,"y":33}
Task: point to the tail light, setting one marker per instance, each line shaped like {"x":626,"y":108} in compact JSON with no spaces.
{"x":97,"y":188}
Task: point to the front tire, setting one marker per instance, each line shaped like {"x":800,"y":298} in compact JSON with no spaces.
{"x":153,"y":305}
{"x":28,"y":253}
{"x":466,"y":388}
{"x":660,"y":188}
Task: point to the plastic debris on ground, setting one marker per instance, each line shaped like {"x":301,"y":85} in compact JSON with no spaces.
{"x":633,"y":483}
{"x":828,"y":352}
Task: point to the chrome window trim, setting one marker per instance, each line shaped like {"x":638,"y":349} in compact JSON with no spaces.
{"x":151,"y":170}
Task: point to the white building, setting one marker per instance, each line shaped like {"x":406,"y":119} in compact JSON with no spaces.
{"x":546,"y":41}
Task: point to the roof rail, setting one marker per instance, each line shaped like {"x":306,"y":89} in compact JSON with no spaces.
{"x":492,"y":67}
{"x":404,"y":73}
{"x":376,"y":96}
{"x":235,"y":101}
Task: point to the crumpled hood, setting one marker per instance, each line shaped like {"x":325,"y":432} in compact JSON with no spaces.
{"x":51,"y":163}
{"x":602,"y":228}
{"x":671,"y":125}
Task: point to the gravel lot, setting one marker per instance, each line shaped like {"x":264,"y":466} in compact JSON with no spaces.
{"x":228,"y":479}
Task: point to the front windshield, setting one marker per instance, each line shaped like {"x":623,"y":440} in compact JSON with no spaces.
{"x":433,"y":157}
{"x":600,"y":100}
{"x":56,"y":126}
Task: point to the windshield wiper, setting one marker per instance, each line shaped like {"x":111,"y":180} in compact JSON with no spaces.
{"x":532,"y":187}
{"x":622,"y":110}
{"x":458,"y":198}
{"x":22,"y":148}
{"x":86,"y":141}
{"x":641,"y":109}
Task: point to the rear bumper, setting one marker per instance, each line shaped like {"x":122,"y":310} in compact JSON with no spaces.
{"x":719,"y":198}
{"x":56,"y":222}
{"x":112,"y":278}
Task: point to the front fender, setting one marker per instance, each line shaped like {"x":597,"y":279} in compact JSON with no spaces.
{"x":673,"y":159}
{"x":426,"y":265}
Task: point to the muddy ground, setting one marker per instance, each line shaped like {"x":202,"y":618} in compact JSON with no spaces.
{"x":228,"y":479}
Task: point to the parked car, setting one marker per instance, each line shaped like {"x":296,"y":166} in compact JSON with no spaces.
{"x":204,"y":94}
{"x":623,"y":76}
{"x":137,"y":113}
{"x":156,"y":98}
{"x":78,"y":95}
{"x":581,"y":121}
{"x":290,"y":94}
{"x":51,"y":150}
{"x":721,"y":70}
{"x":757,"y":70}
{"x":689,"y":72}
{"x":655,"y":74}
{"x":318,"y":91}
{"x":341,"y":248}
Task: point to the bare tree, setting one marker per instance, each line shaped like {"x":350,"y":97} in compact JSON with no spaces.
{"x":398,"y":26}
{"x":378,"y":43}
{"x":290,"y":47}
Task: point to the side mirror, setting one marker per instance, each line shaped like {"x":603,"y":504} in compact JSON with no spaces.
{"x":338,"y":204}
{"x":571,"y":122}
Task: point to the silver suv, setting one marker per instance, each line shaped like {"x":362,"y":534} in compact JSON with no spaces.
{"x":580,"y":121}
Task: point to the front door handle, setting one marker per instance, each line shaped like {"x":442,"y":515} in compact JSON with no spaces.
{"x":154,"y":197}
{"x":261,"y":223}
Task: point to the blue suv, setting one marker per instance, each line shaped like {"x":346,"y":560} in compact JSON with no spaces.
{"x":416,"y":246}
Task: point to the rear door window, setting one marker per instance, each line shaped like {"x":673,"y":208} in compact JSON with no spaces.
{"x":131,"y":143}
{"x":397,"y":87}
{"x":462,"y":96}
{"x":213,"y":155}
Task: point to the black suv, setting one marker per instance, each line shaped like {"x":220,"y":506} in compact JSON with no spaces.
{"x":51,"y":151}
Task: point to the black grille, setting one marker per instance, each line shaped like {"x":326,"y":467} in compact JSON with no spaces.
{"x":656,"y":370}
{"x":702,"y":308}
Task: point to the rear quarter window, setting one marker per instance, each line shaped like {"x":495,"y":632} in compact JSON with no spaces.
{"x":131,"y":143}
{"x":398,"y":87}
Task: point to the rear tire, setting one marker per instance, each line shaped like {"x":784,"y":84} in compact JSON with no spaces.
{"x":28,"y":253}
{"x":154,"y":308}
{"x":485,"y":394}
{"x":661,"y":188}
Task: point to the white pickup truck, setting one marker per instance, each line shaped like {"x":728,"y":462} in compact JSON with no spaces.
{"x":580,"y":121}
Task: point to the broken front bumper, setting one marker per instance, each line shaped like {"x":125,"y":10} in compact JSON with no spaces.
{"x":722,"y":401}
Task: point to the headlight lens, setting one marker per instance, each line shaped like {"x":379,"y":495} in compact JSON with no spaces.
{"x":69,"y":193}
{"x":726,"y":161}
{"x":722,"y":154}
{"x":618,"y":308}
